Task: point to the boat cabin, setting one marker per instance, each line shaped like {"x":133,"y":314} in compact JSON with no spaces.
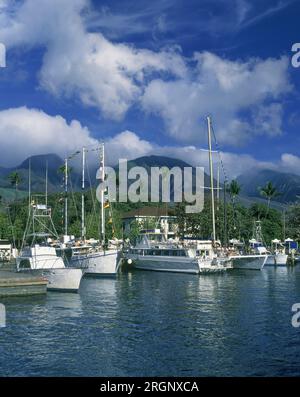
{"x":39,"y":257}
{"x":5,"y":250}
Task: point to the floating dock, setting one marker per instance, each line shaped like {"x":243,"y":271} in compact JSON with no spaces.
{"x":19,"y":284}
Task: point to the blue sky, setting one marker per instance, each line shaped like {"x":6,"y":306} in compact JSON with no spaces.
{"x":143,"y":76}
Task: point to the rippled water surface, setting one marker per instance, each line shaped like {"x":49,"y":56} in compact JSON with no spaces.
{"x":158,"y":324}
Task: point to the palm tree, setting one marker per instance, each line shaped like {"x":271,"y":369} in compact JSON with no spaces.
{"x":15,"y":180}
{"x":62,"y":170}
{"x":269,"y":191}
{"x":234,"y":190}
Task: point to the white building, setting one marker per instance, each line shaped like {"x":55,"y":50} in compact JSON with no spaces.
{"x":151,"y":217}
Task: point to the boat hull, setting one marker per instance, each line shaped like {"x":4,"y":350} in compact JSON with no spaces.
{"x":216,"y":265}
{"x":98,"y":264}
{"x":62,"y":280}
{"x":163,"y":264}
{"x":277,"y":260}
{"x":250,"y":262}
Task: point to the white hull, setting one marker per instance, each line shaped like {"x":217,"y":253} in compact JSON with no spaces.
{"x":64,"y":280}
{"x":97,"y":263}
{"x":43,"y":261}
{"x":216,"y":265}
{"x":166,"y":265}
{"x":175,"y":265}
{"x":251,"y":262}
{"x":277,"y":259}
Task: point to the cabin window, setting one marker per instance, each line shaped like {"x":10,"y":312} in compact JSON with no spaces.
{"x":24,"y":264}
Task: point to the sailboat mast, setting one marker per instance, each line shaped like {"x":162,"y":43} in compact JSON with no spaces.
{"x":102,"y":194}
{"x":29,"y":185}
{"x":66,"y":197}
{"x":218,"y":185}
{"x":211,"y":179}
{"x":225,"y":215}
{"x":46,"y":193}
{"x":284,"y":226}
{"x":82,"y":196}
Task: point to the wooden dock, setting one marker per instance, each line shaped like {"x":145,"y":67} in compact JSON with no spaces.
{"x":20,"y":284}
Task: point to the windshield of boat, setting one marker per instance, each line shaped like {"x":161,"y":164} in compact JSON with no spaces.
{"x":157,"y":237}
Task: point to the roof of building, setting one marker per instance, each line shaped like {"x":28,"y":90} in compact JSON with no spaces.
{"x":149,"y":211}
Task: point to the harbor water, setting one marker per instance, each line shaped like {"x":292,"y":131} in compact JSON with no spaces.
{"x":158,"y":324}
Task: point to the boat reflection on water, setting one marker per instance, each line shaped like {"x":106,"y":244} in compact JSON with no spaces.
{"x":158,"y":324}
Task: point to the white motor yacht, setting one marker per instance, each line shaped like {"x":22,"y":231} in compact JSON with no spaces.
{"x":241,"y":260}
{"x":278,"y":256}
{"x":154,"y":252}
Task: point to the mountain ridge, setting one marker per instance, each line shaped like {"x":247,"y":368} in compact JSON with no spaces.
{"x":286,"y":183}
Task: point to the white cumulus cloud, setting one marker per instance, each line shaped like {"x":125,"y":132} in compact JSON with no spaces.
{"x":126,"y":145}
{"x":108,"y":76}
{"x":243,"y":96}
{"x":225,"y":89}
{"x":25,"y":132}
{"x":289,"y":162}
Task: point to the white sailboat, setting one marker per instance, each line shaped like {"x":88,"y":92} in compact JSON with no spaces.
{"x":222,"y":261}
{"x":153,"y":252}
{"x":95,"y":260}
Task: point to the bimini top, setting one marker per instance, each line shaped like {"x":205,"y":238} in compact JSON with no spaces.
{"x":39,"y":235}
{"x":148,"y":239}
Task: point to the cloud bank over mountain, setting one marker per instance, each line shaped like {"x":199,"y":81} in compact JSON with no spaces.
{"x":25,"y":132}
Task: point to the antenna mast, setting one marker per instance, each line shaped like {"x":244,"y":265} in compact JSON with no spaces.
{"x":102,"y":194}
{"x":211,"y":179}
{"x":82,"y":195}
{"x":29,"y":184}
{"x":46,"y":183}
{"x":66,"y":196}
